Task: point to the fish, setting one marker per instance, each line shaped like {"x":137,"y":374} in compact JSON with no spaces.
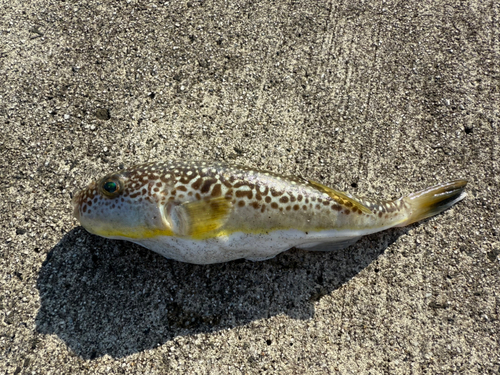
{"x":212,"y":212}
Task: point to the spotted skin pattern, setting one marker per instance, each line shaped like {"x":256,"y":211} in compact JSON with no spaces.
{"x":209,"y":212}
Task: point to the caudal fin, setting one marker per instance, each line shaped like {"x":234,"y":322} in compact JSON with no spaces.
{"x":433,"y":200}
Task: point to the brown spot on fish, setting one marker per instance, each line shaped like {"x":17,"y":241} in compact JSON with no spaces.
{"x":243,"y":183}
{"x":258,"y":196}
{"x":198,"y":196}
{"x":255,"y":205}
{"x":299,"y":198}
{"x":268,"y":199}
{"x":296,"y":207}
{"x":263,"y":208}
{"x":244,"y":193}
{"x":226,"y":183}
{"x":182,"y":188}
{"x":159,"y":184}
{"x":288,"y":208}
{"x":196,"y":185}
{"x":347,"y":212}
{"x":276,"y":193}
{"x":274,"y":205}
{"x":292,"y":198}
{"x":304,"y":207}
{"x":206,"y":185}
{"x":241,"y":203}
{"x":216,"y":191}
{"x":380,"y":214}
{"x":284,"y":199}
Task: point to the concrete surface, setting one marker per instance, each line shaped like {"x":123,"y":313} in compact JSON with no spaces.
{"x":378,"y":98}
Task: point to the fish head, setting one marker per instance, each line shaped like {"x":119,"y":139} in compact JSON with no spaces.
{"x":120,"y":205}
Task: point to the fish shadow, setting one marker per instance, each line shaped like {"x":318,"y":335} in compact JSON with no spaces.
{"x":116,"y":298}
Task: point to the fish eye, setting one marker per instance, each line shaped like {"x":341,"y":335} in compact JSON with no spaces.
{"x":110,"y":187}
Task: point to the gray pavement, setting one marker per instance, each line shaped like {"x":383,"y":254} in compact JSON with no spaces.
{"x":378,"y":98}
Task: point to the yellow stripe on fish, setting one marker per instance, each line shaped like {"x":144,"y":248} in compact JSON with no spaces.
{"x":209,"y":212}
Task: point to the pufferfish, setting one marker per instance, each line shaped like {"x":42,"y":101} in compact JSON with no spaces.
{"x":210,"y":212}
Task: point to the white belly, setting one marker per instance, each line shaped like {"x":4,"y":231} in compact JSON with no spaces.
{"x":239,"y":245}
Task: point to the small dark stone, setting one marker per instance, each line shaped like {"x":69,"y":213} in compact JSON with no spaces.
{"x":320,"y":280}
{"x":20,"y":231}
{"x":354,"y":185}
{"x":493,"y":254}
{"x":436,"y":305}
{"x":152,"y":95}
{"x":468,"y":129}
{"x":103,"y":114}
{"x":9,"y":319}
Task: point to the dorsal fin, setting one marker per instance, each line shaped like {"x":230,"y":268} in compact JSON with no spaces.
{"x":340,"y":197}
{"x":196,"y":219}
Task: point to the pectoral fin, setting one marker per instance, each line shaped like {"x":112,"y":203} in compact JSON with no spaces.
{"x":340,"y":197}
{"x":196,"y":219}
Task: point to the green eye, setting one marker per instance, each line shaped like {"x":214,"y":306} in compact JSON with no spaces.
{"x":110,"y":187}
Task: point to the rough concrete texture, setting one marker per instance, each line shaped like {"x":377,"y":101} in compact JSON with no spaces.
{"x":378,"y":98}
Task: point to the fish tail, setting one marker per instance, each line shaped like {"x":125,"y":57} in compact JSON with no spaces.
{"x":433,"y":200}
